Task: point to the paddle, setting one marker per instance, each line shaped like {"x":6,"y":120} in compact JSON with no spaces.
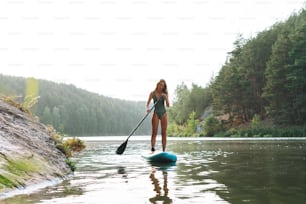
{"x":122,"y":147}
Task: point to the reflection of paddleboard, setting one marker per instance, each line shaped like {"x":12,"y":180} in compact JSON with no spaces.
{"x":160,"y":157}
{"x":162,"y":166}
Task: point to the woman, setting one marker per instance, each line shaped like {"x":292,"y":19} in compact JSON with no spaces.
{"x":160,"y":97}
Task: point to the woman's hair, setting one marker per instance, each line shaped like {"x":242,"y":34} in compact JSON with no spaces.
{"x":165,"y":90}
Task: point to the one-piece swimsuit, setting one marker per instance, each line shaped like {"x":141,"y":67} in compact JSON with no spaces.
{"x":159,"y":109}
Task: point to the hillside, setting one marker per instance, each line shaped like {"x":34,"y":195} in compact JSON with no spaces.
{"x":28,"y":154}
{"x":261,"y":86}
{"x":75,"y":111}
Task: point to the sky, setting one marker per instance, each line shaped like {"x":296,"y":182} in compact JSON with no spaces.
{"x":122,"y":48}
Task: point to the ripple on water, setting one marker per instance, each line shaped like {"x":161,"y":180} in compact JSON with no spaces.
{"x":206,"y":172}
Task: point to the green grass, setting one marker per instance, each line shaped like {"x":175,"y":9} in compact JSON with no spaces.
{"x":6,"y":182}
{"x":71,"y":164}
{"x":16,"y":171}
{"x":22,"y":166}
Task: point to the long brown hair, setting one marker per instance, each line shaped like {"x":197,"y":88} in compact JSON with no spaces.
{"x":165,"y":90}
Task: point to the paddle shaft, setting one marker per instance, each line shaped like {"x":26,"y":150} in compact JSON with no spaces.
{"x":142,"y":120}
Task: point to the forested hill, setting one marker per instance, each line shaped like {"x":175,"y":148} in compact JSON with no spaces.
{"x":266,"y":75}
{"x":75,"y":111}
{"x":262,"y":85}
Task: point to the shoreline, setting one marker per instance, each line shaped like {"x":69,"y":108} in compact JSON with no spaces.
{"x":29,"y":158}
{"x":147,"y":138}
{"x":32,"y":187}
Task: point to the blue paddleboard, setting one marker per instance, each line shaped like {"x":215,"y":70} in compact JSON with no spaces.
{"x":160,"y":157}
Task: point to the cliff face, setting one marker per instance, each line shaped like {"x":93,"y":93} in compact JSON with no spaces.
{"x":28,"y":154}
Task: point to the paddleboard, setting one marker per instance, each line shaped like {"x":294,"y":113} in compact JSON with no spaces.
{"x":160,"y":157}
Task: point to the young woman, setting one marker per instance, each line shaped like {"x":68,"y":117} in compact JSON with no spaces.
{"x":160,"y":98}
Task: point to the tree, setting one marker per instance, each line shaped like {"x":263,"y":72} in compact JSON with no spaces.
{"x":227,"y":92}
{"x":46,"y":116}
{"x":275,"y":90}
{"x":228,"y":89}
{"x":200,"y":98}
{"x":211,"y":126}
{"x":255,"y":55}
{"x":296,"y":77}
{"x":56,"y":118}
{"x":180,"y":110}
{"x":192,"y":124}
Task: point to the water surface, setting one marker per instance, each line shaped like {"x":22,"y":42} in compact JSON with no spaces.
{"x":207,"y":171}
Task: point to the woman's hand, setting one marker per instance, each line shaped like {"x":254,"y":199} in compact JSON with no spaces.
{"x":166,"y":98}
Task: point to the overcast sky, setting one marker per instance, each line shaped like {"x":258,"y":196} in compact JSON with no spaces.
{"x":121,"y":48}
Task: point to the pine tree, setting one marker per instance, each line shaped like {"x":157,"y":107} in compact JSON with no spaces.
{"x":275,"y":90}
{"x":296,"y":77}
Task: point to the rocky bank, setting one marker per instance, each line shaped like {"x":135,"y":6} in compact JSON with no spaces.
{"x":28,"y":154}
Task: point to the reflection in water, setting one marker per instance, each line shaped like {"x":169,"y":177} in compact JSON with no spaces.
{"x":161,"y":192}
{"x":210,"y":172}
{"x":244,"y":171}
{"x":121,"y":170}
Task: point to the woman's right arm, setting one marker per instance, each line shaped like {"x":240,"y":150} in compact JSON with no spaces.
{"x":148,"y":102}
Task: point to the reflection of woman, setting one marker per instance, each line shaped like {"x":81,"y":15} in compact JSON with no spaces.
{"x":160,"y":97}
{"x":158,"y":189}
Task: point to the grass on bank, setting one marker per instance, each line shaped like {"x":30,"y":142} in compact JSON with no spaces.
{"x":14,"y":168}
{"x":67,"y":146}
{"x":24,"y":106}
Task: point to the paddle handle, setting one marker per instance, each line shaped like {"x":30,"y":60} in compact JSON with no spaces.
{"x":141,"y":120}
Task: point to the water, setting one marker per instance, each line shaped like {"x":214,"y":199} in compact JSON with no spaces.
{"x":207,"y":171}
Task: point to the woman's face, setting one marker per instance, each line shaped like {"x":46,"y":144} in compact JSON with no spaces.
{"x":161,"y":86}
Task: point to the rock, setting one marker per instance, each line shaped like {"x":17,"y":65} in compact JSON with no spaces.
{"x":28,"y":154}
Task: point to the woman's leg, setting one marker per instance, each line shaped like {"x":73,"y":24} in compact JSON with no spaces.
{"x":155,"y":122}
{"x":164,"y":124}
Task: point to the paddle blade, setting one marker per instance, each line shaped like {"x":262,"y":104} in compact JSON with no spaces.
{"x":121,"y":148}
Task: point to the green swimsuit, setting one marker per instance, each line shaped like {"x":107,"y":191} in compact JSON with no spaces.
{"x":160,"y":109}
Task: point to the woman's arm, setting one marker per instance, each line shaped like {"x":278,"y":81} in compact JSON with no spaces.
{"x":166,"y":99}
{"x":149,"y":101}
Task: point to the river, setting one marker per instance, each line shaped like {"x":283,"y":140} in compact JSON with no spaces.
{"x":208,"y":170}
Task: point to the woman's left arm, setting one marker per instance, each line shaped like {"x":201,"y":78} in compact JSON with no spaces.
{"x":167,"y":100}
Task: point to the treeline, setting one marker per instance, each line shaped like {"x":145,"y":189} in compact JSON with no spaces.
{"x":74,"y":111}
{"x":263,"y":79}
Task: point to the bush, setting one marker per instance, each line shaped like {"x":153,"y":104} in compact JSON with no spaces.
{"x":211,"y":126}
{"x":74,"y":144}
{"x":67,"y":146}
{"x":269,"y":132}
{"x":256,"y":122}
